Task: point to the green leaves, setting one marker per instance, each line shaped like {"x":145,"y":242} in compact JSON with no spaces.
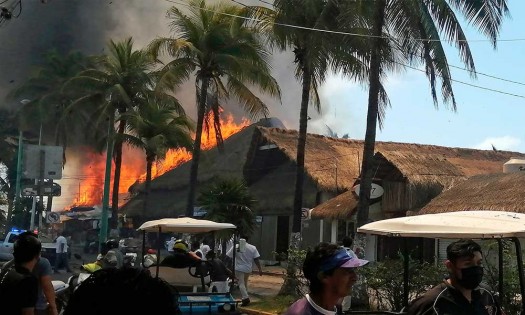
{"x":228,"y":200}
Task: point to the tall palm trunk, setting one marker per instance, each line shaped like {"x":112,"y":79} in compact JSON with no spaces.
{"x":299,"y":175}
{"x":196,"y":154}
{"x":116,"y":178}
{"x":290,"y":281}
{"x":372,"y":115}
{"x":147,"y":185}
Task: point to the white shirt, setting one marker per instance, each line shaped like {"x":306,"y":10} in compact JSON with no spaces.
{"x":204,"y":250}
{"x":318,"y":308}
{"x":61,"y":240}
{"x":170,"y":244}
{"x":244,"y":260}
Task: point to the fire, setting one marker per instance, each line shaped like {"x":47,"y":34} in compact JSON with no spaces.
{"x":134,"y":164}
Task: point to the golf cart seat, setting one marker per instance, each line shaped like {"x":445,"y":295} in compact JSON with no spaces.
{"x":179,"y":277}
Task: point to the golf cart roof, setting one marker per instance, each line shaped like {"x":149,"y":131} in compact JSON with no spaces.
{"x":476,"y":224}
{"x":184,"y":225}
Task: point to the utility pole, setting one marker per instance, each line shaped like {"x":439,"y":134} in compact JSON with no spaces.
{"x":41,"y":172}
{"x":18,"y":172}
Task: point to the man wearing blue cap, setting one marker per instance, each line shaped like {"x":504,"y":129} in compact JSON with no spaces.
{"x":330,"y":270}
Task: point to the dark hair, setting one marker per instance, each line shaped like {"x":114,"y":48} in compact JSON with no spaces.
{"x":347,"y":241}
{"x":195,"y":245}
{"x":314,"y":258}
{"x":211,"y":254}
{"x":122,"y":291}
{"x":462,"y":248}
{"x":27,"y":246}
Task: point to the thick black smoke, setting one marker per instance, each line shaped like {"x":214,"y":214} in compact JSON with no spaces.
{"x":87,"y":26}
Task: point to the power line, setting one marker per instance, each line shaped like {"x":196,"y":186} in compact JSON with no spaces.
{"x":462,"y":82}
{"x":344,"y":33}
{"x":385,"y":37}
{"x":488,"y":75}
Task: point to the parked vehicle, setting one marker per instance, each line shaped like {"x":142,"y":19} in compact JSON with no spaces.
{"x":195,"y":278}
{"x":6,"y":246}
{"x":61,"y":294}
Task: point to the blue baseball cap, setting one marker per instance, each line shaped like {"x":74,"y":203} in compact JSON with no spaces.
{"x":342,"y":259}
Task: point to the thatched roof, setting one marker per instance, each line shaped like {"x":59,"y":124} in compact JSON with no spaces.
{"x":339,"y":208}
{"x":331,"y":165}
{"x":169,"y":191}
{"x":416,"y":162}
{"x":500,"y":192}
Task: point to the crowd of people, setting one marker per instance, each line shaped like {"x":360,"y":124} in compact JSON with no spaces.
{"x":331,"y":271}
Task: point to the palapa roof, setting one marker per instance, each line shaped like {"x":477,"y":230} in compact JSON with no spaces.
{"x":331,"y":165}
{"x":416,"y":162}
{"x":341,"y":207}
{"x":169,"y":191}
{"x":499,"y":192}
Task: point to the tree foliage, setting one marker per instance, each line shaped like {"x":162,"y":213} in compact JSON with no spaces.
{"x":227,"y":57}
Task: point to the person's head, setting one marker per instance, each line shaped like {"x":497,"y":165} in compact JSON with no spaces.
{"x":465,"y":263}
{"x":211,"y":254}
{"x":195,"y":245}
{"x":180,"y":246}
{"x":111,"y":244}
{"x":329,"y":268}
{"x":122,"y":291}
{"x":347,"y":241}
{"x":27,"y":248}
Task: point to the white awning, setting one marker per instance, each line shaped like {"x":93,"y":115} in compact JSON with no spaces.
{"x":184,"y":225}
{"x":475,"y":224}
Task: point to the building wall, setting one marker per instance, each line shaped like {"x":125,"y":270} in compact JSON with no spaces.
{"x":263,"y":239}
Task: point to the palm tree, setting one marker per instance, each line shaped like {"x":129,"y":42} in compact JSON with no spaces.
{"x":226,"y":56}
{"x":315,"y":54}
{"x":417,"y":28}
{"x":47,"y":100}
{"x":115,"y":86}
{"x":229,"y":200}
{"x":156,"y":127}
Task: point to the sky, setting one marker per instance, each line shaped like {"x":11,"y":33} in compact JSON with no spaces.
{"x":483,"y":118}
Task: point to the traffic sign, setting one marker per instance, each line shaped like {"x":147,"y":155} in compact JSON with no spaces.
{"x":305,"y":213}
{"x":47,"y":190}
{"x":53,"y":217}
{"x":50,"y":158}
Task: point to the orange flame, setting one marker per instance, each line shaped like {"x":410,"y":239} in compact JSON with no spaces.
{"x":134,"y":165}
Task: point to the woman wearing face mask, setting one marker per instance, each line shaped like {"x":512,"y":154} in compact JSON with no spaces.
{"x":460,"y":293}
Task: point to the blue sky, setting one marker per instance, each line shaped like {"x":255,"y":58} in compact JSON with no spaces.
{"x":482,"y":118}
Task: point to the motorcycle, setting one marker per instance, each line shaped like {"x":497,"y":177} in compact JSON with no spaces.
{"x":86,"y":270}
{"x":61,"y":294}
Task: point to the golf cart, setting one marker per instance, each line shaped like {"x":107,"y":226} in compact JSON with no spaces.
{"x":190,"y":301}
{"x":476,"y":224}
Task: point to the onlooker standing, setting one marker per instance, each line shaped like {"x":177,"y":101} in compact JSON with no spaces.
{"x":18,"y":286}
{"x":331,"y":273}
{"x":204,"y":248}
{"x":46,"y":302}
{"x":62,"y":259}
{"x":245,"y":255}
{"x":460,"y":293}
{"x":347,"y":243}
{"x":219,"y":273}
{"x":169,"y":245}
